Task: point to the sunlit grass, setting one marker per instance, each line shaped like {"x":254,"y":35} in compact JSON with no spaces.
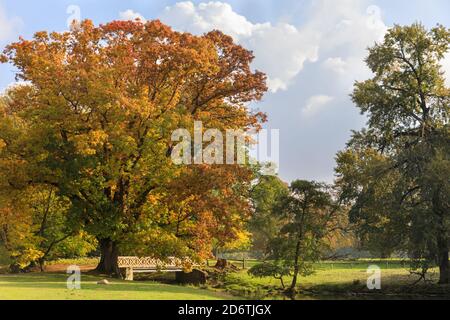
{"x":337,"y":279}
{"x":75,"y":261}
{"x":38,"y":286}
{"x":340,"y":279}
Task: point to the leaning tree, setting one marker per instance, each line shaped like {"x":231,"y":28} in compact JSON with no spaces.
{"x":309,"y":214}
{"x":95,"y":115}
{"x":395,"y":172}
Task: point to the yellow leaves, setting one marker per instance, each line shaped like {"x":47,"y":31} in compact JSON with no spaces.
{"x":242,"y":241}
{"x":83,"y":147}
{"x":23,"y":257}
{"x":87,"y":144}
{"x":41,"y":35}
{"x":2,"y":144}
{"x":153,"y":199}
{"x":16,"y":231}
{"x":154,"y":242}
{"x":113,"y":185}
{"x":187,"y":265}
{"x":98,"y":137}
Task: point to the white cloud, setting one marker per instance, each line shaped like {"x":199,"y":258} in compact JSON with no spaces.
{"x":8,"y":25}
{"x":130,"y":15}
{"x":336,"y":64}
{"x":207,"y":16}
{"x":316,"y":104}
{"x":282,"y":49}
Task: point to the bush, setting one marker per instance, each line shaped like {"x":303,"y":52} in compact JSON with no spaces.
{"x":268,"y":269}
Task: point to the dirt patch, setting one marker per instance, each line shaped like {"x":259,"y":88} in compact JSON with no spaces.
{"x":62,"y":268}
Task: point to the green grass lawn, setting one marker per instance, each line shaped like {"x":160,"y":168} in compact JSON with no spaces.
{"x":339,"y":279}
{"x":327,"y":276}
{"x":53,"y":287}
{"x":339,"y":264}
{"x":332,"y":279}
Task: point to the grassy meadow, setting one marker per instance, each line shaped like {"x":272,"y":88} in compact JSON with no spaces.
{"x":331,"y":280}
{"x":340,"y":280}
{"x":50,"y":286}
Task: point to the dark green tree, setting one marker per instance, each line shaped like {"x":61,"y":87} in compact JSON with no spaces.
{"x":264,"y":224}
{"x":395,"y":172}
{"x":270,"y":269}
{"x":309,"y":213}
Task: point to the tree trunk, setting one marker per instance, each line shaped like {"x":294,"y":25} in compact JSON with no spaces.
{"x":444,"y":270}
{"x":109,"y":258}
{"x":42,"y":264}
{"x":221,"y":264}
{"x":296,"y":268}
{"x":442,"y":240}
{"x":282,"y":282}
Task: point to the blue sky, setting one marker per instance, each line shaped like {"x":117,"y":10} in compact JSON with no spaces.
{"x":312,"y":51}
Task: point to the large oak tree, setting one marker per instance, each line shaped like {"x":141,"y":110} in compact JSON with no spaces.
{"x":96,"y":114}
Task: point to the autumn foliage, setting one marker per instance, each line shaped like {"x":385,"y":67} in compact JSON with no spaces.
{"x":94,"y":120}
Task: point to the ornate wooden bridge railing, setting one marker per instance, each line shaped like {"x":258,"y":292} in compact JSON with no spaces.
{"x":149,"y":264}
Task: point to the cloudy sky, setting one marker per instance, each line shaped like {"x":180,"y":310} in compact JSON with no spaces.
{"x":311,"y":50}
